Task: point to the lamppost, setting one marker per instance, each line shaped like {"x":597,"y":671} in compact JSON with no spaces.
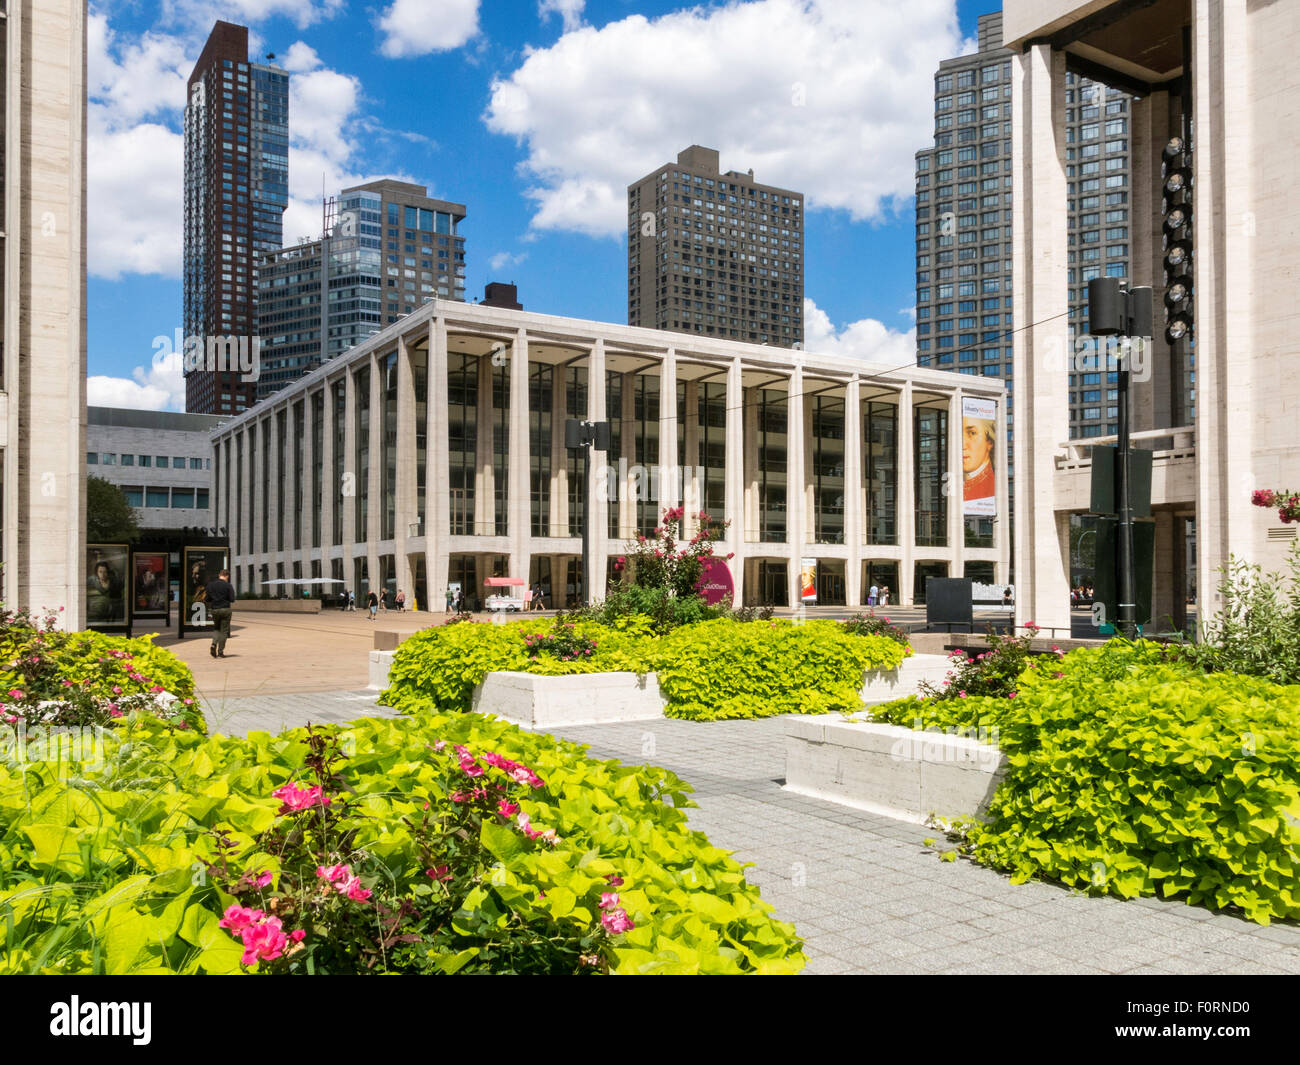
{"x":586,"y":435}
{"x":1113,"y":311}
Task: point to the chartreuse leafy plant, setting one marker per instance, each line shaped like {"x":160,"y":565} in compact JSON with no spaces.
{"x":49,"y":677}
{"x":728,"y":669}
{"x":440,"y":844}
{"x":712,"y":670}
{"x":1132,"y":774}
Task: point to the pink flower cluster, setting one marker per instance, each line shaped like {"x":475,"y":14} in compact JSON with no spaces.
{"x":614,"y":919}
{"x":294,"y":798}
{"x":1287,"y":503}
{"x":547,"y":834}
{"x":516,"y":771}
{"x":344,"y":881}
{"x":263,"y":937}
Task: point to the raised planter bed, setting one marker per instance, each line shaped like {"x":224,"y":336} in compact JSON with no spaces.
{"x":537,"y":702}
{"x":882,"y":685}
{"x":278,"y":606}
{"x":886,"y":769}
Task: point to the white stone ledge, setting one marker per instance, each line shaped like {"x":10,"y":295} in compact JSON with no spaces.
{"x":533,"y":701}
{"x":886,"y":769}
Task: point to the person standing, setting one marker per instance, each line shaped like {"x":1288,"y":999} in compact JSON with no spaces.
{"x":372,"y":606}
{"x":872,"y":592}
{"x":401,"y":601}
{"x":451,"y":599}
{"x":884,"y":596}
{"x":352,"y":600}
{"x":220,"y":598}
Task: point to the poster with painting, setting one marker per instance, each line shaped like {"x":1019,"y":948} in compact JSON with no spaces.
{"x":149,"y":592}
{"x":107,"y":568}
{"x":979,"y":437}
{"x":808,"y":581}
{"x":201,"y":565}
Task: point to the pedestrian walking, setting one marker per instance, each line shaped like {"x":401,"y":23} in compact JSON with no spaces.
{"x":352,"y":600}
{"x":372,"y":604}
{"x":343,"y":600}
{"x":401,"y":601}
{"x":460,"y":601}
{"x":884,"y":596}
{"x":872,"y":592}
{"x":539,"y":597}
{"x":220,"y":599}
{"x":451,"y":600}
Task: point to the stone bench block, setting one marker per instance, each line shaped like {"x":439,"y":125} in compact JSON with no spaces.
{"x":890,"y":770}
{"x":537,"y":702}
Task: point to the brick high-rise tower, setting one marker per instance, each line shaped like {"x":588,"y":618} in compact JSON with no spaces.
{"x":715,"y":254}
{"x":236,"y":190}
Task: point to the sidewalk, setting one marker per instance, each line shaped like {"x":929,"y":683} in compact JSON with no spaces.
{"x":863,"y":891}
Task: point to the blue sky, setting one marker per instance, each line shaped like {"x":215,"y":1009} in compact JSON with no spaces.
{"x":536,"y":115}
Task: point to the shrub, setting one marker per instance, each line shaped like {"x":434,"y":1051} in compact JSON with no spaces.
{"x":666,"y":560}
{"x":871,"y":625}
{"x":995,"y":672}
{"x":1257,"y":631}
{"x":49,"y":677}
{"x":563,"y":642}
{"x":1132,"y":774}
{"x":440,"y":667}
{"x":661,"y":608}
{"x":382,"y":846}
{"x":729,"y":669}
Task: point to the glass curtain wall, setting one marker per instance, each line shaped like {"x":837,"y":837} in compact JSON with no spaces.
{"x":388,"y":448}
{"x":340,"y":401}
{"x":318,"y":463}
{"x":828,"y":472}
{"x":575,"y":406}
{"x":501,"y":448}
{"x":541,"y":393}
{"x":645,"y":428}
{"x":614,"y":414}
{"x":420,"y":379}
{"x":931,"y":464}
{"x":462,"y":439}
{"x":712,"y":458}
{"x":772,"y":423}
{"x":880,"y":450}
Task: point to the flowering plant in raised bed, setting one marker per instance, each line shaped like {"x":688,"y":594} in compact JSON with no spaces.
{"x":563,"y":642}
{"x":1287,"y":503}
{"x":668,"y":559}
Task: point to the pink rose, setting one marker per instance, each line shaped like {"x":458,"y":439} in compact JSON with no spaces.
{"x":507,"y":809}
{"x":237,"y":918}
{"x":263,"y":942}
{"x":616,"y":922}
{"x":294,"y":798}
{"x":608,"y":900}
{"x":614,"y":880}
{"x":262,"y":879}
{"x":354,"y":890}
{"x":334,"y":873}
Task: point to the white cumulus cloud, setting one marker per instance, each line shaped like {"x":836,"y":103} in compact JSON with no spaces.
{"x":161,"y":386}
{"x":866,"y":339}
{"x":503,"y":259}
{"x":829,"y":97}
{"x":568,"y":10}
{"x":418,"y":27}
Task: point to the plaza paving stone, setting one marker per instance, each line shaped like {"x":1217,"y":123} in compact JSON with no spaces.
{"x":863,"y":891}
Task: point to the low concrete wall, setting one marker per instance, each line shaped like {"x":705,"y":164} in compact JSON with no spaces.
{"x":278,"y":606}
{"x":380,"y":663}
{"x":889,"y":770}
{"x":536,"y":702}
{"x":882,"y":685}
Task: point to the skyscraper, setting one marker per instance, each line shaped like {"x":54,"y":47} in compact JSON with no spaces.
{"x":236,"y":190}
{"x":390,"y":248}
{"x":964,"y":313}
{"x":715,"y":254}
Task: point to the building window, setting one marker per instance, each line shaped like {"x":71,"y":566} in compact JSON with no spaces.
{"x":92,"y":458}
{"x":156,"y":497}
{"x":182,"y":498}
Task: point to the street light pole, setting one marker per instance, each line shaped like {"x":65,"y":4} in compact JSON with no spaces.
{"x":586,"y":436}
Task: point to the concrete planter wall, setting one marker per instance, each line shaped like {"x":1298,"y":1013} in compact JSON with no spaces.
{"x":886,"y":769}
{"x":278,"y":606}
{"x":536,"y":702}
{"x":882,"y":685}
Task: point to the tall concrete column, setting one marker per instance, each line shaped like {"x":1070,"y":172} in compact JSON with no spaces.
{"x":1228,"y":361}
{"x":558,"y":518}
{"x":308,"y":518}
{"x":955,"y":488}
{"x":1002,"y":520}
{"x":600,"y":477}
{"x":375,"y":492}
{"x":262,"y":481}
{"x":854,"y":516}
{"x":485,"y":475}
{"x":669,"y":473}
{"x":407,"y":487}
{"x":243,"y":512}
{"x":735,"y":477}
{"x":796,"y":443}
{"x":749,"y":534}
{"x":329,"y":489}
{"x":287,"y":547}
{"x":351,"y":479}
{"x":905,"y":493}
{"x":518,"y":467}
{"x":1039,"y":263}
{"x":437,"y":471}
